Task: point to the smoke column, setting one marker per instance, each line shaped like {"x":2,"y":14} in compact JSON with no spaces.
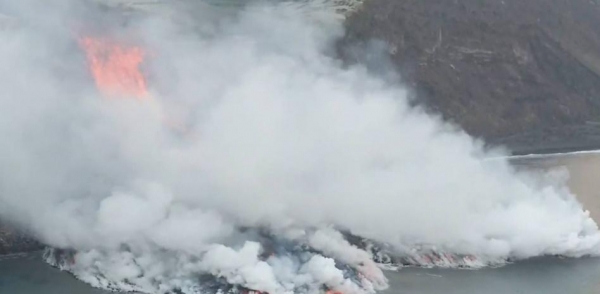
{"x":274,"y":135}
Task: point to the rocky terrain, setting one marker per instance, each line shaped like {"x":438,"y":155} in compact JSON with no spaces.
{"x":12,"y":241}
{"x":521,"y":73}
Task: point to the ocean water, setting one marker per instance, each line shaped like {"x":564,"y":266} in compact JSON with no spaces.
{"x":540,"y":276}
{"x":28,"y":274}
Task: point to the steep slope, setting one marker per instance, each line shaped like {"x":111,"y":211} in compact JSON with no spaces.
{"x":523,"y":73}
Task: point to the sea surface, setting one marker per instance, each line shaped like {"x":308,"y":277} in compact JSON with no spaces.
{"x":28,"y":274}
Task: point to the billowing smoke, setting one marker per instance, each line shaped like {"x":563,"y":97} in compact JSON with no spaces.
{"x":257,"y":161}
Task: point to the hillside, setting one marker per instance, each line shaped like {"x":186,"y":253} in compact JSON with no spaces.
{"x":12,"y":241}
{"x":521,"y":73}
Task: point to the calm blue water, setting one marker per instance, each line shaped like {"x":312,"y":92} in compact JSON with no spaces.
{"x":28,"y":274}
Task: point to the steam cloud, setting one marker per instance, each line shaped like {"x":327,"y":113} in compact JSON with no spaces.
{"x":271,"y":133}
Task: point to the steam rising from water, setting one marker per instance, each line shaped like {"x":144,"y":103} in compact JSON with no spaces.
{"x":273,"y":134}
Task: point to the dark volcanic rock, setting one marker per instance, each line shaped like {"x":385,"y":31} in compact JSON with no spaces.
{"x":12,"y":241}
{"x":521,"y":73}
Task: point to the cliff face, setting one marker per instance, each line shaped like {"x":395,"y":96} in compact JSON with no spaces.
{"x":521,"y":73}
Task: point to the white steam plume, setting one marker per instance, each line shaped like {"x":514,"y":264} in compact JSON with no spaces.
{"x":278,"y":135}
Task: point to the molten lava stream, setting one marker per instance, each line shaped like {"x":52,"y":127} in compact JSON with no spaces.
{"x":115,"y":68}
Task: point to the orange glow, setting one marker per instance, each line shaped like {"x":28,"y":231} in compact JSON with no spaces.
{"x":115,"y":68}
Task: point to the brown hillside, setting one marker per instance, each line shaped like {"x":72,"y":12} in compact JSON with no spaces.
{"x":524,"y":73}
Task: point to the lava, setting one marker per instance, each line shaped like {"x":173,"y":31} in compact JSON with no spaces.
{"x":115,"y":67}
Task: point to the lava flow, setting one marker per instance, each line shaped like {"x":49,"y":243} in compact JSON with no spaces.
{"x":115,"y":67}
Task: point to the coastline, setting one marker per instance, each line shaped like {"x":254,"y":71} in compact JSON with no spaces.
{"x":551,"y":140}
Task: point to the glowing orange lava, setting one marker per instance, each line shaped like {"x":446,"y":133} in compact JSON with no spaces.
{"x":115,"y":68}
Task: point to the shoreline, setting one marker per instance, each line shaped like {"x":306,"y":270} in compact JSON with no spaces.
{"x":554,"y":151}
